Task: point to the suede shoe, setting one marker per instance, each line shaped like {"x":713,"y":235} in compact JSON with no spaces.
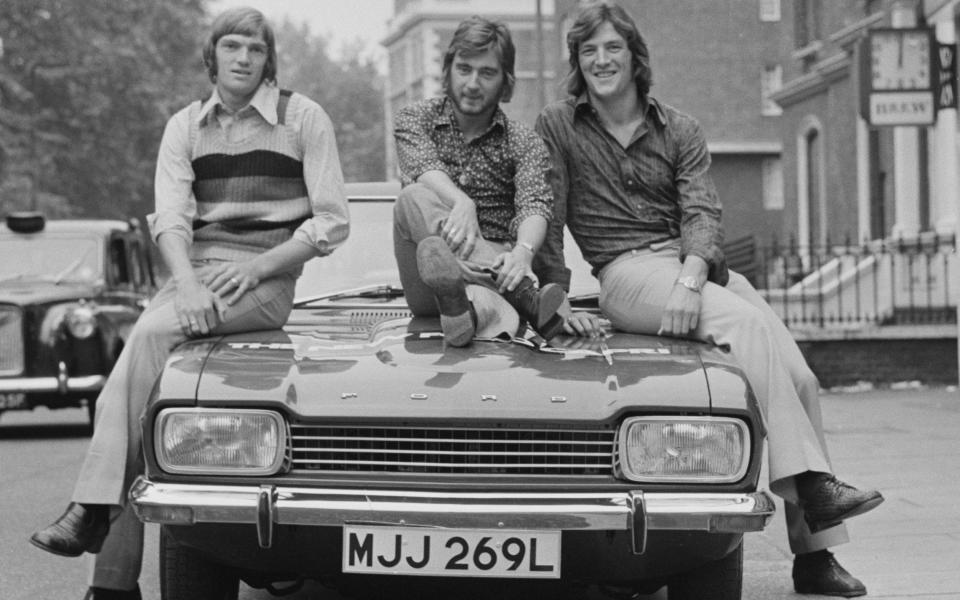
{"x":440,"y":271}
{"x":97,"y":593}
{"x":538,"y":306}
{"x":82,"y":528}
{"x":820,"y":573}
{"x":826,"y":501}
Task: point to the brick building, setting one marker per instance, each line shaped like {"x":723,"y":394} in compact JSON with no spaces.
{"x":843,"y":177}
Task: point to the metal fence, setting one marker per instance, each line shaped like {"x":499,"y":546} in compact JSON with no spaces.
{"x":906,"y":281}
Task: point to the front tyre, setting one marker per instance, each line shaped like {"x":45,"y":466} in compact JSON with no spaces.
{"x":718,"y":580}
{"x":186,"y":574}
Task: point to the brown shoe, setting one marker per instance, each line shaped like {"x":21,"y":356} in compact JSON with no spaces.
{"x":820,"y":573}
{"x":826,"y":501}
{"x":538,"y":306}
{"x":440,"y":271}
{"x":82,"y":528}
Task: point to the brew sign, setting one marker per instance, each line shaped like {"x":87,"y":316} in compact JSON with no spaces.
{"x":898,"y":77}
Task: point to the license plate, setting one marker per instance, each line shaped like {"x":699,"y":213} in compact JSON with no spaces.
{"x":12,"y":400}
{"x":451,"y":552}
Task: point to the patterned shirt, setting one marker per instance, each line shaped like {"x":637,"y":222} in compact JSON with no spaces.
{"x":652,"y":193}
{"x":503,"y":171}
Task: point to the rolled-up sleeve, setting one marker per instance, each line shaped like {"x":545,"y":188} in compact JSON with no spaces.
{"x":533,"y":196}
{"x":329,"y":226}
{"x":701,"y":229}
{"x":416,"y":151}
{"x":175,"y":204}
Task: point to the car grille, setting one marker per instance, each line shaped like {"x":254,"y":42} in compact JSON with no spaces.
{"x":451,"y":450}
{"x":11,"y":340}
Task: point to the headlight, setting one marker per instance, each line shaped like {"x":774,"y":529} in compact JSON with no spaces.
{"x":81,"y":322}
{"x":684,"y":449}
{"x":216,"y":441}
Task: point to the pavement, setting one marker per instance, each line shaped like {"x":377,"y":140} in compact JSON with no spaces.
{"x":906,"y":443}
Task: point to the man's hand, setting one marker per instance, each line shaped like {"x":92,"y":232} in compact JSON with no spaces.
{"x":582,"y":324}
{"x":681,"y":313}
{"x":512,"y":267}
{"x":231,"y":278}
{"x":461,"y":229}
{"x":198,"y":309}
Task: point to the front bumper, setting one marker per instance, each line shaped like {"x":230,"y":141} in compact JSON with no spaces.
{"x":632,"y":511}
{"x":61,"y":384}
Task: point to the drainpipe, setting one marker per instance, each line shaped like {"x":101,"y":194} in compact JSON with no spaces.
{"x":906,"y":152}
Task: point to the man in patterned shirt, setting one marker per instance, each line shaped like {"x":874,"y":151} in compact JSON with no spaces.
{"x":475,"y":204}
{"x":630,"y":181}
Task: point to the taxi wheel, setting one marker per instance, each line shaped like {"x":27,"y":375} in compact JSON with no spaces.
{"x":186,"y":574}
{"x":718,"y":580}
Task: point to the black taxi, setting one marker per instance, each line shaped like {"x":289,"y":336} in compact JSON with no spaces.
{"x":70,"y":291}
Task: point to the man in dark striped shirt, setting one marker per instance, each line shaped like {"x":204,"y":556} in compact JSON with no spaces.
{"x":630,"y":180}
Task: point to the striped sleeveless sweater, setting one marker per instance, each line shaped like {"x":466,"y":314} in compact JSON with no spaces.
{"x":251,"y":195}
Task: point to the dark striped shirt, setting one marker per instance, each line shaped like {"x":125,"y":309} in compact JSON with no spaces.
{"x":615,"y":199}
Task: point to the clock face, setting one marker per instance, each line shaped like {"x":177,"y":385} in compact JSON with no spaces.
{"x":900,"y":60}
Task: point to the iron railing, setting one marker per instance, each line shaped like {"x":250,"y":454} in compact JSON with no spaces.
{"x":905,"y":281}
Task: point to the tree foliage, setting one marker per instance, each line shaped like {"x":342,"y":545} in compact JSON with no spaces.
{"x":350,"y":90}
{"x":86,"y":87}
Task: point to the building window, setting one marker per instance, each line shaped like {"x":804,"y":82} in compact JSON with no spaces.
{"x":807,"y":22}
{"x":772,"y":180}
{"x":770,"y":82}
{"x":770,"y":11}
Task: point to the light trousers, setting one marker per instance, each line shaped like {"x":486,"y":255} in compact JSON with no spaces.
{"x":115,"y":455}
{"x":418,"y":214}
{"x":634,"y":289}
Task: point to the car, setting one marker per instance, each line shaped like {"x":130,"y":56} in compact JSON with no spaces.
{"x":70,"y":291}
{"x":356,"y":448}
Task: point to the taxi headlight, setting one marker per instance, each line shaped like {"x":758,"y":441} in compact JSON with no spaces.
{"x":215,"y":441}
{"x":684,"y":449}
{"x":81,"y":322}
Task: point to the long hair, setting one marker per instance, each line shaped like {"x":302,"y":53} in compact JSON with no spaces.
{"x":244,"y":21}
{"x":586,"y":24}
{"x":475,"y":36}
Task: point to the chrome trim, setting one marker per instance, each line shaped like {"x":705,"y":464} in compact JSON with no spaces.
{"x":86,"y":383}
{"x":633,"y":511}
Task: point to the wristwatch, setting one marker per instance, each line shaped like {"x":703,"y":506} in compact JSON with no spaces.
{"x":690,"y":282}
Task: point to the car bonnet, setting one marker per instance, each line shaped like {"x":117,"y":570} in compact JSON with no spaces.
{"x":402,"y":371}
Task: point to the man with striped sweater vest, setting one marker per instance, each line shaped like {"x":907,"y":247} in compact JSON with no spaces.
{"x":248,"y":188}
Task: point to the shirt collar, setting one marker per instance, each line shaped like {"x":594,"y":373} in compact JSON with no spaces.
{"x":264,"y":101}
{"x":446,"y":116}
{"x":653,"y":107}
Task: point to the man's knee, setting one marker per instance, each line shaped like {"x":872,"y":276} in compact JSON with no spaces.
{"x":413,"y":196}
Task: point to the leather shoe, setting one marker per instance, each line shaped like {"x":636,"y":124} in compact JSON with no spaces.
{"x":538,"y":306}
{"x":826,"y":501}
{"x":820,"y":573}
{"x":82,"y":528}
{"x":440,"y":271}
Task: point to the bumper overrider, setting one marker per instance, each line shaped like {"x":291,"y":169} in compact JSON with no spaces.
{"x":267,"y":505}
